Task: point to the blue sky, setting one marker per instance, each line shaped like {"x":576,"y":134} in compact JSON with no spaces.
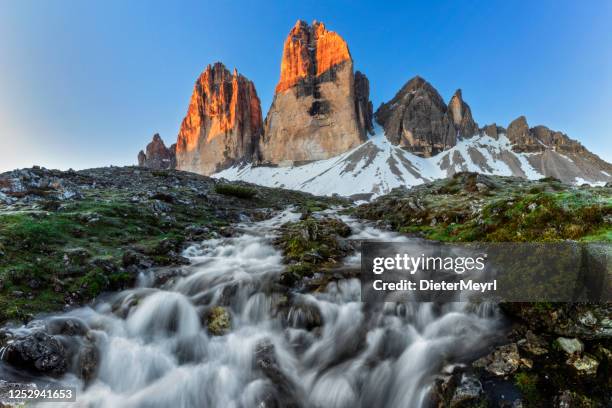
{"x":86,"y":83}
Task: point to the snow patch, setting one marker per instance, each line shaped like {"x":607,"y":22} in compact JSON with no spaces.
{"x":580,"y":181}
{"x":376,"y":167}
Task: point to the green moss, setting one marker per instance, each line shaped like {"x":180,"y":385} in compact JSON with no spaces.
{"x":309,"y":245}
{"x":312,"y":239}
{"x":527,"y":383}
{"x":295,"y":272}
{"x":219,"y":321}
{"x":43,"y":249}
{"x":235,"y":190}
{"x":508,"y":210}
{"x":603,"y":234}
{"x":543,"y":306}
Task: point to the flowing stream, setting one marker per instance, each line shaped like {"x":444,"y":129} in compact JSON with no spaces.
{"x":324,"y":349}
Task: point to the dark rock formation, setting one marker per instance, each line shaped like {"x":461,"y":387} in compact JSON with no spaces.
{"x":461,"y":116}
{"x":363,"y":105}
{"x":417,"y":118}
{"x":38,"y":352}
{"x":223,"y":123}
{"x":519,"y":135}
{"x":157,"y":155}
{"x":320,"y":108}
{"x":267,"y":363}
{"x":539,"y":138}
{"x":492,"y":131}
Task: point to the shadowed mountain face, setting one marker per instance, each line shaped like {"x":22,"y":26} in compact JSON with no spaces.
{"x":321,"y":108}
{"x":223,"y":123}
{"x":418,"y":119}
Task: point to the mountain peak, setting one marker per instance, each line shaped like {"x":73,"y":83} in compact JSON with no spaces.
{"x":461,"y":116}
{"x":416,"y":82}
{"x":223,"y":122}
{"x":157,"y":155}
{"x":320,"y":108}
{"x":310,"y":50}
{"x":416,"y":118}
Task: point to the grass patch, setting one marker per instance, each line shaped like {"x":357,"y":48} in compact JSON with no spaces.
{"x":235,"y":191}
{"x":77,"y":249}
{"x":527,"y":383}
{"x":504,"y":210}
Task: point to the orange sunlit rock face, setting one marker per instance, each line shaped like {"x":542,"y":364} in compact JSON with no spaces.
{"x":309,"y":51}
{"x":223,"y":122}
{"x":320,"y":108}
{"x":331,"y":49}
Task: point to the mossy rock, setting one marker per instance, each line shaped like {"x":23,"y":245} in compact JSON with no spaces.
{"x":314,"y":240}
{"x":219,"y":321}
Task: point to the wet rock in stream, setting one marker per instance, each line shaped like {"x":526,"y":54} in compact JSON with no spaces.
{"x":37,"y":352}
{"x":285,"y":390}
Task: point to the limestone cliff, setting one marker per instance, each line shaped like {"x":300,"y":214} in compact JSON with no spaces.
{"x":461,"y":116}
{"x":223,"y":122}
{"x":320,"y":108}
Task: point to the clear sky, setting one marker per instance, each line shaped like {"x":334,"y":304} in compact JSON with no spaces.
{"x":87,"y":83}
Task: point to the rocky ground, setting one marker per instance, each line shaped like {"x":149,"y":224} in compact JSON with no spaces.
{"x":66,"y":237}
{"x":557,"y":354}
{"x":474,"y":207}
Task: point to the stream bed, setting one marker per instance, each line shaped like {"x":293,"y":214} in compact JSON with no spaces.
{"x":150,"y":346}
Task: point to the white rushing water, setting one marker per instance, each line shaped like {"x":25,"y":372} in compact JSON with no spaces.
{"x":324,"y":349}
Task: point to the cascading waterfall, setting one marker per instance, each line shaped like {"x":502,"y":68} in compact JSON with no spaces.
{"x":154,"y":349}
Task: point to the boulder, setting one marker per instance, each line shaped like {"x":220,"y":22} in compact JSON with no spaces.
{"x":38,"y":352}
{"x":266,"y":361}
{"x":585,"y":366}
{"x":468,"y":390}
{"x":501,"y":362}
{"x":533,"y":344}
{"x":570,"y":346}
{"x":219,"y":321}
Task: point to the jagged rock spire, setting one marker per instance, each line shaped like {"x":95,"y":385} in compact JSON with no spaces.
{"x":223,"y":122}
{"x":320,"y":108}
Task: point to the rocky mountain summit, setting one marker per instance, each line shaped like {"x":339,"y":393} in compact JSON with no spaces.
{"x":157,"y":155}
{"x":321,"y":108}
{"x":553,"y":153}
{"x":461,"y":116}
{"x":418,"y":119}
{"x":223,"y":123}
{"x":319,"y":133}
